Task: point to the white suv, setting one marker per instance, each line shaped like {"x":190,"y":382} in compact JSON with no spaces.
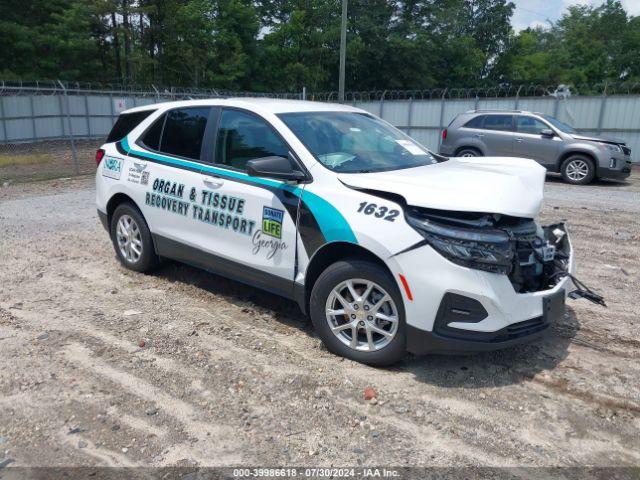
{"x":388,"y":247}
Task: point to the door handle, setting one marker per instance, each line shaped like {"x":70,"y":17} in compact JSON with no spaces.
{"x":519,"y":140}
{"x":213,"y":182}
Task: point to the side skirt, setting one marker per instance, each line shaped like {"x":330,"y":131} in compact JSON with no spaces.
{"x":253,"y":277}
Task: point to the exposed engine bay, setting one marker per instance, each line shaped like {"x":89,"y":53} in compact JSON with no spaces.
{"x":534,"y":257}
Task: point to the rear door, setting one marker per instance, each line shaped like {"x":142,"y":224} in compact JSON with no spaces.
{"x":528,"y":141}
{"x":167,"y":160}
{"x":497,"y":135}
{"x":247,"y":220}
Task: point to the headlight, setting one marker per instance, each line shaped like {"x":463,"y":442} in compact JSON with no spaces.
{"x":611,"y":147}
{"x":489,"y":250}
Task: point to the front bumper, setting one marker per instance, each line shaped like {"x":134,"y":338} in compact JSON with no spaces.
{"x":421,"y":342}
{"x":614,"y":174}
{"x":615,"y":166}
{"x":508,"y":317}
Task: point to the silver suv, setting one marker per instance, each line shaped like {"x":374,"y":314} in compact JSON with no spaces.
{"x":552,"y":143}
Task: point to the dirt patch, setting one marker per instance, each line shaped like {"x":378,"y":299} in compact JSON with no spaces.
{"x":231,"y":375}
{"x":44,"y":160}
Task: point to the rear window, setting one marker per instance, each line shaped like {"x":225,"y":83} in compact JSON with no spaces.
{"x":125,"y":123}
{"x":183,"y":132}
{"x":498,"y":122}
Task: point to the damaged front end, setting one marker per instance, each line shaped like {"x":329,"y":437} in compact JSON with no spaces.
{"x":534,"y":258}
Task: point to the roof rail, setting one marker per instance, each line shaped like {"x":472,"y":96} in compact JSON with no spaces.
{"x":496,"y":110}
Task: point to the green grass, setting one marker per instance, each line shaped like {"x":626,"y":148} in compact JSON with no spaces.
{"x":12,"y":160}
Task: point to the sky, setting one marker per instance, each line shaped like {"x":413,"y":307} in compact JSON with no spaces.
{"x":531,"y":13}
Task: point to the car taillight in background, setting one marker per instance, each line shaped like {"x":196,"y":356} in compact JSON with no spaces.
{"x":444,"y":134}
{"x":99,"y":156}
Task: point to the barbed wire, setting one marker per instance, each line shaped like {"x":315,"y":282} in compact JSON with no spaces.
{"x":51,"y":87}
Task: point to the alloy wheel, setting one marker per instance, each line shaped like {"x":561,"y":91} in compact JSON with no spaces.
{"x":129,"y":239}
{"x":362,"y":315}
{"x":577,"y":170}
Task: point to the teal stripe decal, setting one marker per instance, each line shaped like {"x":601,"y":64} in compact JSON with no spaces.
{"x":333,"y":225}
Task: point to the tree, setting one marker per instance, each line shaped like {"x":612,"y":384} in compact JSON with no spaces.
{"x":588,"y":45}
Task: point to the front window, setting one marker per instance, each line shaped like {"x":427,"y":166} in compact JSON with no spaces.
{"x":563,"y":127}
{"x":243,"y":137}
{"x":351,"y":142}
{"x":530,"y":125}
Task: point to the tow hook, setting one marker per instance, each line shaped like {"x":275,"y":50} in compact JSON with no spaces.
{"x":582,"y":291}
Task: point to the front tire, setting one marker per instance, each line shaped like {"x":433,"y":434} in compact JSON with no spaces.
{"x":132,"y":239}
{"x":578,"y":170}
{"x":357,"y":310}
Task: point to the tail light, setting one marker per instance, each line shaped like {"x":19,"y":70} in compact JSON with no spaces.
{"x":444,"y":134}
{"x":99,"y":156}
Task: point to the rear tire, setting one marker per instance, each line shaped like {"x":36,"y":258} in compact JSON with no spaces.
{"x":578,"y":170}
{"x":468,"y":152}
{"x":132,"y":239}
{"x":376,"y":314}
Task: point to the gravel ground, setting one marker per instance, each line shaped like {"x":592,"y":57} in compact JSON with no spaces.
{"x":103,"y":366}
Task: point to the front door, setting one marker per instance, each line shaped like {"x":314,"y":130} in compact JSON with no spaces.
{"x":243,"y":219}
{"x":530,"y":143}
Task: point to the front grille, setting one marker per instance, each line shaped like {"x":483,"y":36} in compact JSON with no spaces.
{"x":626,"y":150}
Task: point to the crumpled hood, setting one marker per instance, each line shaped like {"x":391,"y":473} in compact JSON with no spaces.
{"x":617,"y":141}
{"x":510,"y":186}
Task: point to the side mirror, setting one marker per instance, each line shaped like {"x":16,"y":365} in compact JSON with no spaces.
{"x":274,"y":167}
{"x":547,"y":133}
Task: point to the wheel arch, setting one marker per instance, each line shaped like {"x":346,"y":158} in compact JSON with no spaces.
{"x":469,"y":147}
{"x":116,"y":200}
{"x":327,"y":255}
{"x":565,"y":155}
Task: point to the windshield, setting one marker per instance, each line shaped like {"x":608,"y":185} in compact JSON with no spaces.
{"x":563,"y":127}
{"x":351,"y":142}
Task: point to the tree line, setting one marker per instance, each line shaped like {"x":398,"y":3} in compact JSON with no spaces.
{"x":283,"y":45}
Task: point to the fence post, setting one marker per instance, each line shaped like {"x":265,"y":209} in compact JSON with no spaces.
{"x":409,"y":116}
{"x":33,"y":118}
{"x":61,"y":107}
{"x":111,"y":109}
{"x":382,"y":104}
{"x":556,"y":107}
{"x":517,"y":101}
{"x":86,"y":112}
{"x":73,"y":142}
{"x":4,"y":122}
{"x":441,"y":117}
{"x":603,"y":104}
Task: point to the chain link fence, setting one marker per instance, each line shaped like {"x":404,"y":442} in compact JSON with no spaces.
{"x":52,"y":129}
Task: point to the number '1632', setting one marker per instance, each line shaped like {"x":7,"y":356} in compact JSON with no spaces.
{"x":378,"y":211}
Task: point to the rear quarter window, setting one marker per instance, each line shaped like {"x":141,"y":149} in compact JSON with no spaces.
{"x":475,"y":122}
{"x":125,"y":123}
{"x":151,"y":138}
